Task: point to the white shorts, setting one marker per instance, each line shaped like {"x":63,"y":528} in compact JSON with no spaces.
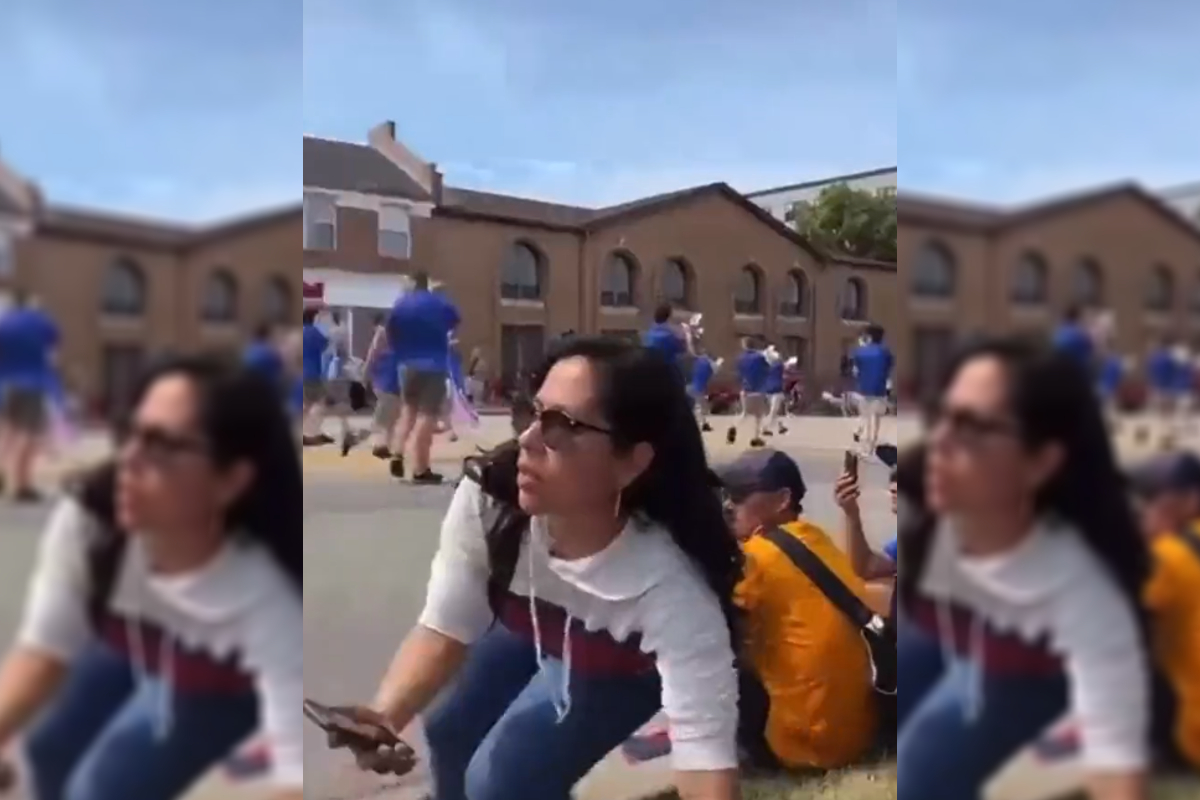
{"x":873,"y":406}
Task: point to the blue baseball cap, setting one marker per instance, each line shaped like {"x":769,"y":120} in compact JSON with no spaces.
{"x":1169,"y":472}
{"x":761,"y":471}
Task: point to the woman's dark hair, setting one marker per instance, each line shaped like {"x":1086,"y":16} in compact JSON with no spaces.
{"x":643,"y":400}
{"x":1052,"y":400}
{"x":243,"y":418}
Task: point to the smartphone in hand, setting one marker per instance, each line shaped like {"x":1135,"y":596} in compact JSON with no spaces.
{"x":850,"y":464}
{"x":356,"y":733}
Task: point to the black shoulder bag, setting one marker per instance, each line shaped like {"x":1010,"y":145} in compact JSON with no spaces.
{"x":878,"y":633}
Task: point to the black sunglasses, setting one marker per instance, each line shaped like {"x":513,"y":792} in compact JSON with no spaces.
{"x":160,"y":444}
{"x":964,"y":423}
{"x":559,"y":428}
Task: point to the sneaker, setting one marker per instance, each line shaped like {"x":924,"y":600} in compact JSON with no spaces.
{"x":757,"y":443}
{"x":782,"y":430}
{"x":706,"y":428}
{"x":396,"y":467}
{"x":349,"y":442}
{"x":382,"y":453}
{"x":768,"y":433}
{"x":427,"y":478}
{"x":731,"y":436}
{"x":317,"y":441}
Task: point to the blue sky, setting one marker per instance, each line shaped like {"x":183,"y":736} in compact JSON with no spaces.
{"x":172,"y":109}
{"x":1018,"y":99}
{"x":602,"y":102}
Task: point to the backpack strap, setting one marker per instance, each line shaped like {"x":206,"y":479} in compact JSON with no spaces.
{"x":95,"y":491}
{"x":826,"y":580}
{"x":105,"y":557}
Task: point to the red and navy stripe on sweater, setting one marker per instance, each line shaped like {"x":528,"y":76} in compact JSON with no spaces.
{"x":1001,"y":653}
{"x":594,"y":654}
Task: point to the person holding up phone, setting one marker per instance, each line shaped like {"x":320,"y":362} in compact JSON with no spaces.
{"x":566,"y":560}
{"x":163,"y":623}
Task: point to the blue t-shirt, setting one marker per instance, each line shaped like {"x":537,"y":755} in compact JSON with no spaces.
{"x":890,"y":550}
{"x":752,"y":370}
{"x":873,"y":365}
{"x":316,"y":343}
{"x":702,"y":374}
{"x":1185,"y":377}
{"x":28,"y":339}
{"x":266,"y":360}
{"x":774,"y":381}
{"x":662,"y":338}
{"x":1074,"y":341}
{"x":419,"y":329}
{"x":1160,"y":370}
{"x":1112,"y":374}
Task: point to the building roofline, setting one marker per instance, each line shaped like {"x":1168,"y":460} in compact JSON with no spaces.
{"x":852,"y":176}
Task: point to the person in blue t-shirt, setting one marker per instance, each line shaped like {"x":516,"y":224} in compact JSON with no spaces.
{"x":1074,"y":339}
{"x":263,"y":357}
{"x":383,"y":373}
{"x":703,"y":370}
{"x":773,"y":389}
{"x":315,"y":347}
{"x":666,"y":339}
{"x":1161,"y":367}
{"x":29,"y":340}
{"x":873,"y":365}
{"x":868,"y":564}
{"x":752,"y":371}
{"x":1110,"y":379}
{"x":418,"y":330}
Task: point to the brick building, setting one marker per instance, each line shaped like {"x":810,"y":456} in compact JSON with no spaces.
{"x":122,"y":287}
{"x":970,"y":268}
{"x":522,"y":270}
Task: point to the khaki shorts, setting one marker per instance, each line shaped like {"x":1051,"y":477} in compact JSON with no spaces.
{"x":24,"y":410}
{"x":387,"y":410}
{"x":754,"y":404}
{"x":314,"y":392}
{"x":425,"y":391}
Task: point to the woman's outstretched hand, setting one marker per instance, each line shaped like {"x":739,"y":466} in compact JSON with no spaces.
{"x":367,"y":734}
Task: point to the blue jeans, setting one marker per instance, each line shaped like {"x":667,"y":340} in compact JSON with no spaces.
{"x":99,"y":739}
{"x":942,"y":752}
{"x":494,"y":736}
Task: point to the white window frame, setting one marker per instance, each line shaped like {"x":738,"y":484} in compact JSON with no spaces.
{"x":395,"y":232}
{"x":320,"y":211}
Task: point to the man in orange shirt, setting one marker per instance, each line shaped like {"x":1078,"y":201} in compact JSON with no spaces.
{"x":1168,"y":490}
{"x":819,"y":705}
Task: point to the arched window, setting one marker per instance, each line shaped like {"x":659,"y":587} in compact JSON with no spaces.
{"x":124,"y":291}
{"x":1087,"y":283}
{"x":854,"y":300}
{"x":1160,"y":291}
{"x":747,"y":295}
{"x":220,"y":300}
{"x":935,"y":274}
{"x":677,"y":283}
{"x":618,"y":282}
{"x":795,"y":295}
{"x":1030,"y":281}
{"x":277,"y":302}
{"x":522,"y":275}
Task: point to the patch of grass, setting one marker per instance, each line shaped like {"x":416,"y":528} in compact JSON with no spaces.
{"x":865,"y":783}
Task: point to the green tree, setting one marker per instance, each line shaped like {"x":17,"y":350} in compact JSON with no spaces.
{"x":853,"y":221}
